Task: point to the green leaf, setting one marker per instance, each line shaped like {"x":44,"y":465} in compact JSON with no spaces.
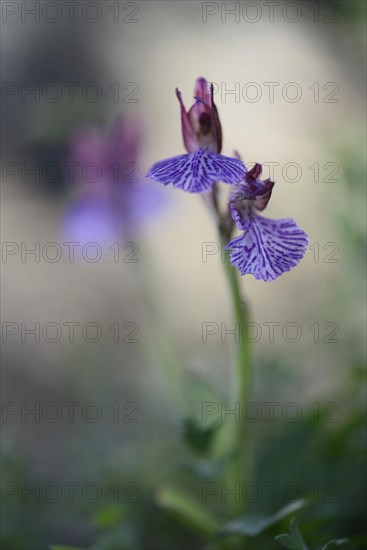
{"x":108,"y":516}
{"x":336,"y":542}
{"x":288,"y":542}
{"x":125,"y":537}
{"x":188,"y":509}
{"x":64,"y":547}
{"x":197,"y":437}
{"x":252,"y":525}
{"x":296,"y":534}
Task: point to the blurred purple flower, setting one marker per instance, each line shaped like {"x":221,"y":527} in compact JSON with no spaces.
{"x":267,"y":248}
{"x":111,"y":199}
{"x":197,"y":171}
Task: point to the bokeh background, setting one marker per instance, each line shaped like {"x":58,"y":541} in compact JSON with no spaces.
{"x":144,"y":390}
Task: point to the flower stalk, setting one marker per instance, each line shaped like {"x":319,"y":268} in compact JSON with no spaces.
{"x":240,"y":469}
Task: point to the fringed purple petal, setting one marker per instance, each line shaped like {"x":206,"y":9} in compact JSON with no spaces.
{"x":196,"y":172}
{"x":268,"y":248}
{"x":226,"y":169}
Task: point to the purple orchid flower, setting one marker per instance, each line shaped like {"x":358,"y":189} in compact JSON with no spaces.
{"x":197,"y":171}
{"x":267,"y":248}
{"x":111,"y":198}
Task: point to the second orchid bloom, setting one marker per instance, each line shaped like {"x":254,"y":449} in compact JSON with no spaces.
{"x":267,"y":248}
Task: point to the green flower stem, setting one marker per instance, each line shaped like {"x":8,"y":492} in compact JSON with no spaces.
{"x":240,"y":467}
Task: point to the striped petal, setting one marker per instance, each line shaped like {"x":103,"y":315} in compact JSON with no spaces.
{"x":268,"y":248}
{"x":196,"y":172}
